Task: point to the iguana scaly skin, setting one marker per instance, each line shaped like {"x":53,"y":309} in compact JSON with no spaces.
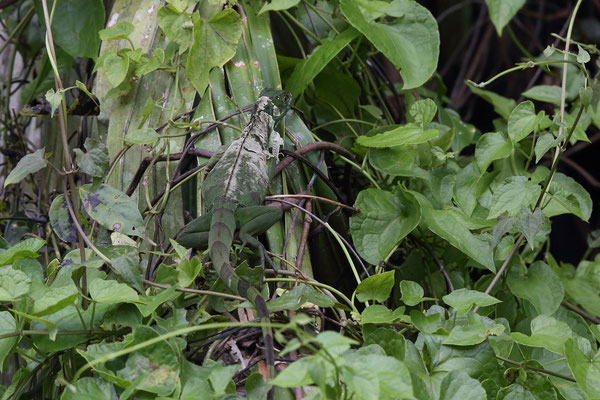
{"x":232,"y":194}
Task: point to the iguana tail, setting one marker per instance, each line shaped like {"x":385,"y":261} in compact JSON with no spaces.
{"x":220,"y":240}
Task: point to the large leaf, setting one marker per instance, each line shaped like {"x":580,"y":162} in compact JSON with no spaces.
{"x":61,"y":220}
{"x":522,"y":121}
{"x":467,"y":331}
{"x":214,"y":43}
{"x":585,"y":366}
{"x":13,"y":284}
{"x":384,"y":220}
{"x":583,"y":285}
{"x":171,"y":22}
{"x":458,"y":385}
{"x":27,"y":165}
{"x":462,"y":300}
{"x":7,"y":325}
{"x":306,"y":71}
{"x":546,"y":332}
{"x":568,"y":196}
{"x":111,"y":292}
{"x":95,"y":160}
{"x":88,"y":388}
{"x":75,"y":28}
{"x":491,"y":146}
{"x":411,"y":42}
{"x":398,"y":136}
{"x":26,"y":249}
{"x":502,"y":11}
{"x":377,"y":287}
{"x":112,"y":209}
{"x":55,"y":299}
{"x":451,"y":225}
{"x":278,"y":5}
{"x":541,"y":286}
{"x":510,"y":196}
{"x":545,"y":93}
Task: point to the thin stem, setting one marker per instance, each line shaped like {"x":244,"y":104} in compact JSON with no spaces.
{"x":536,"y":369}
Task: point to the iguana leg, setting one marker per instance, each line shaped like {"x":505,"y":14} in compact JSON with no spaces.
{"x":255,"y":220}
{"x":195,"y":234}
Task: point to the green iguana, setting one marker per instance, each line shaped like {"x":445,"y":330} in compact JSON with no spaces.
{"x":233,"y":192}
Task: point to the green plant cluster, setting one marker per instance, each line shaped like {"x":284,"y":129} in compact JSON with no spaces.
{"x":453,"y":292}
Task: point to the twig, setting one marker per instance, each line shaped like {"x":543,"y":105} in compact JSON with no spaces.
{"x":195,"y":291}
{"x":310,"y":196}
{"x":536,"y":369}
{"x":579,"y":311}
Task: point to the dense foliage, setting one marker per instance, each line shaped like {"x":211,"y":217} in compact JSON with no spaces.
{"x":414,"y":259}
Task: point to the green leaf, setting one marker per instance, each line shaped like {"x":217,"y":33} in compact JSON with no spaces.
{"x":585,"y":366}
{"x":570,"y":196}
{"x":427,"y":323}
{"x":385,"y":219}
{"x":54,"y":98}
{"x":379,"y":314}
{"x":112,"y":209}
{"x":411,"y":42}
{"x":126,"y":264}
{"x":111,"y":292}
{"x":142,"y":136}
{"x":471,"y":331}
{"x":462,"y":300}
{"x":502,"y":105}
{"x":306,"y":71}
{"x":583,"y":285}
{"x":27,"y":165}
{"x":545,"y":93}
{"x":188,"y":271}
{"x":522,"y":121}
{"x":412,"y":293}
{"x":543,"y":144}
{"x":491,"y":146}
{"x":546,"y":332}
{"x":458,"y":385}
{"x":296,"y":374}
{"x":513,"y":194}
{"x":502,"y":11}
{"x":7,"y":325}
{"x":214,"y":43}
{"x":582,"y":55}
{"x":75,"y":28}
{"x":377,"y":287}
{"x":88,"y":388}
{"x":120,"y":30}
{"x":541,"y":286}
{"x":373,"y":375}
{"x":422,"y":111}
{"x":95,"y":161}
{"x":156,"y":366}
{"x":115,"y":68}
{"x":402,"y":135}
{"x":221,"y":377}
{"x":177,"y":26}
{"x":55,"y":299}
{"x":451,"y":225}
{"x":13,"y":284}
{"x":278,"y":5}
{"x":396,"y":161}
{"x":531,"y":224}
{"x":470,"y":185}
{"x":25,"y":249}
{"x":61,"y":220}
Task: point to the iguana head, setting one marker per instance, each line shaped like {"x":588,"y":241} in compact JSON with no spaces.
{"x":280,"y":104}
